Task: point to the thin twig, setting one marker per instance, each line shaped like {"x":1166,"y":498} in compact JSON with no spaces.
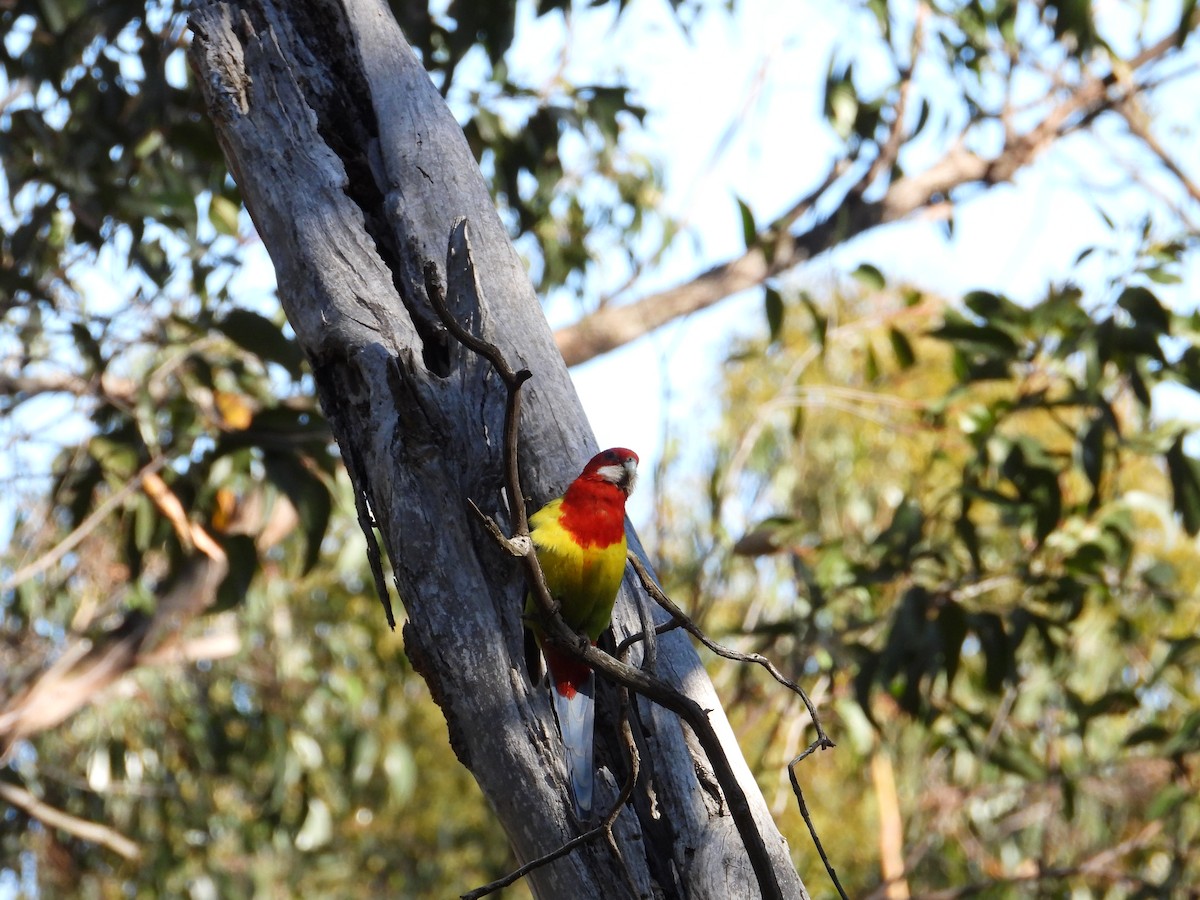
{"x":86,"y":527}
{"x":1135,"y":119}
{"x":889,"y":150}
{"x":517,"y":546}
{"x":93,"y":832}
{"x":823,"y":742}
{"x":683,"y":219}
{"x":812,"y":829}
{"x":680,"y":619}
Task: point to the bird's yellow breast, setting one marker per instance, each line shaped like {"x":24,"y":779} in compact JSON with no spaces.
{"x":583,"y":579}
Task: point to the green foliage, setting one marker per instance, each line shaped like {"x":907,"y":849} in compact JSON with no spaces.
{"x":311,"y":762}
{"x":105,"y":148}
{"x":983,"y":540}
{"x":99,"y":139}
{"x":970,"y":530}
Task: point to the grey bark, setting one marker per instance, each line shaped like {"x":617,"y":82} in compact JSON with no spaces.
{"x":354,"y":170}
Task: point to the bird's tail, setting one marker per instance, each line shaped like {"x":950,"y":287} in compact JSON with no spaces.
{"x":576,"y":711}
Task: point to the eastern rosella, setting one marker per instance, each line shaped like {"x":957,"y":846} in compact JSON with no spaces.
{"x":580,"y":543}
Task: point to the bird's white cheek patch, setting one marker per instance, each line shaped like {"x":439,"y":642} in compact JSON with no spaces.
{"x":615,"y":474}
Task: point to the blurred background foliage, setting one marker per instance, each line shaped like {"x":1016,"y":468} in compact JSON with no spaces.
{"x":954,"y":522}
{"x":966,"y":524}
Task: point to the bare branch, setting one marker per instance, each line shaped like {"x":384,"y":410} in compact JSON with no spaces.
{"x":86,"y":527}
{"x":889,"y":151}
{"x":1135,"y":119}
{"x":812,"y":829}
{"x":680,"y":619}
{"x":22,"y":386}
{"x":517,"y":546}
{"x":615,"y":326}
{"x":822,"y":742}
{"x":93,"y":832}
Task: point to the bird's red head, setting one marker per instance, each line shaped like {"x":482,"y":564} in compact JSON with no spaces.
{"x":616,"y":465}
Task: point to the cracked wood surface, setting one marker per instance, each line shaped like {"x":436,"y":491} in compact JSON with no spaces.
{"x":354,"y":170}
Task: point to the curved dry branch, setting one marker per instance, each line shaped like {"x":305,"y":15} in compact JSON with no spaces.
{"x":680,"y":619}
{"x":92,"y":832}
{"x":812,"y":828}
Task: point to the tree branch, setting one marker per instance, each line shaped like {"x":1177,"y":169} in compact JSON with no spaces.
{"x":614,"y":326}
{"x":93,"y":832}
{"x":1135,"y":119}
{"x":81,"y":531}
{"x":23,"y":386}
{"x":679,"y":619}
{"x":812,"y":829}
{"x":89,"y":665}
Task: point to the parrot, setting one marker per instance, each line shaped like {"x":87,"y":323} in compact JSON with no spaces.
{"x":579,"y":539}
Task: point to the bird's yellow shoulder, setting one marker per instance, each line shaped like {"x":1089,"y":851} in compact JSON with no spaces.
{"x":584,"y":580}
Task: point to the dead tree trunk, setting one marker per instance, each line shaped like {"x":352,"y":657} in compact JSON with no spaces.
{"x":354,"y":171}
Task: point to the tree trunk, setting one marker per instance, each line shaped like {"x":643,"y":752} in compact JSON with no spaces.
{"x":354,"y":171}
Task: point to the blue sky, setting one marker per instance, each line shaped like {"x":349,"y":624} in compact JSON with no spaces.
{"x":736,"y":112}
{"x":762,"y":72}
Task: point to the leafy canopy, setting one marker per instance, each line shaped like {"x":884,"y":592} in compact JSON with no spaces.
{"x":966,"y":521}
